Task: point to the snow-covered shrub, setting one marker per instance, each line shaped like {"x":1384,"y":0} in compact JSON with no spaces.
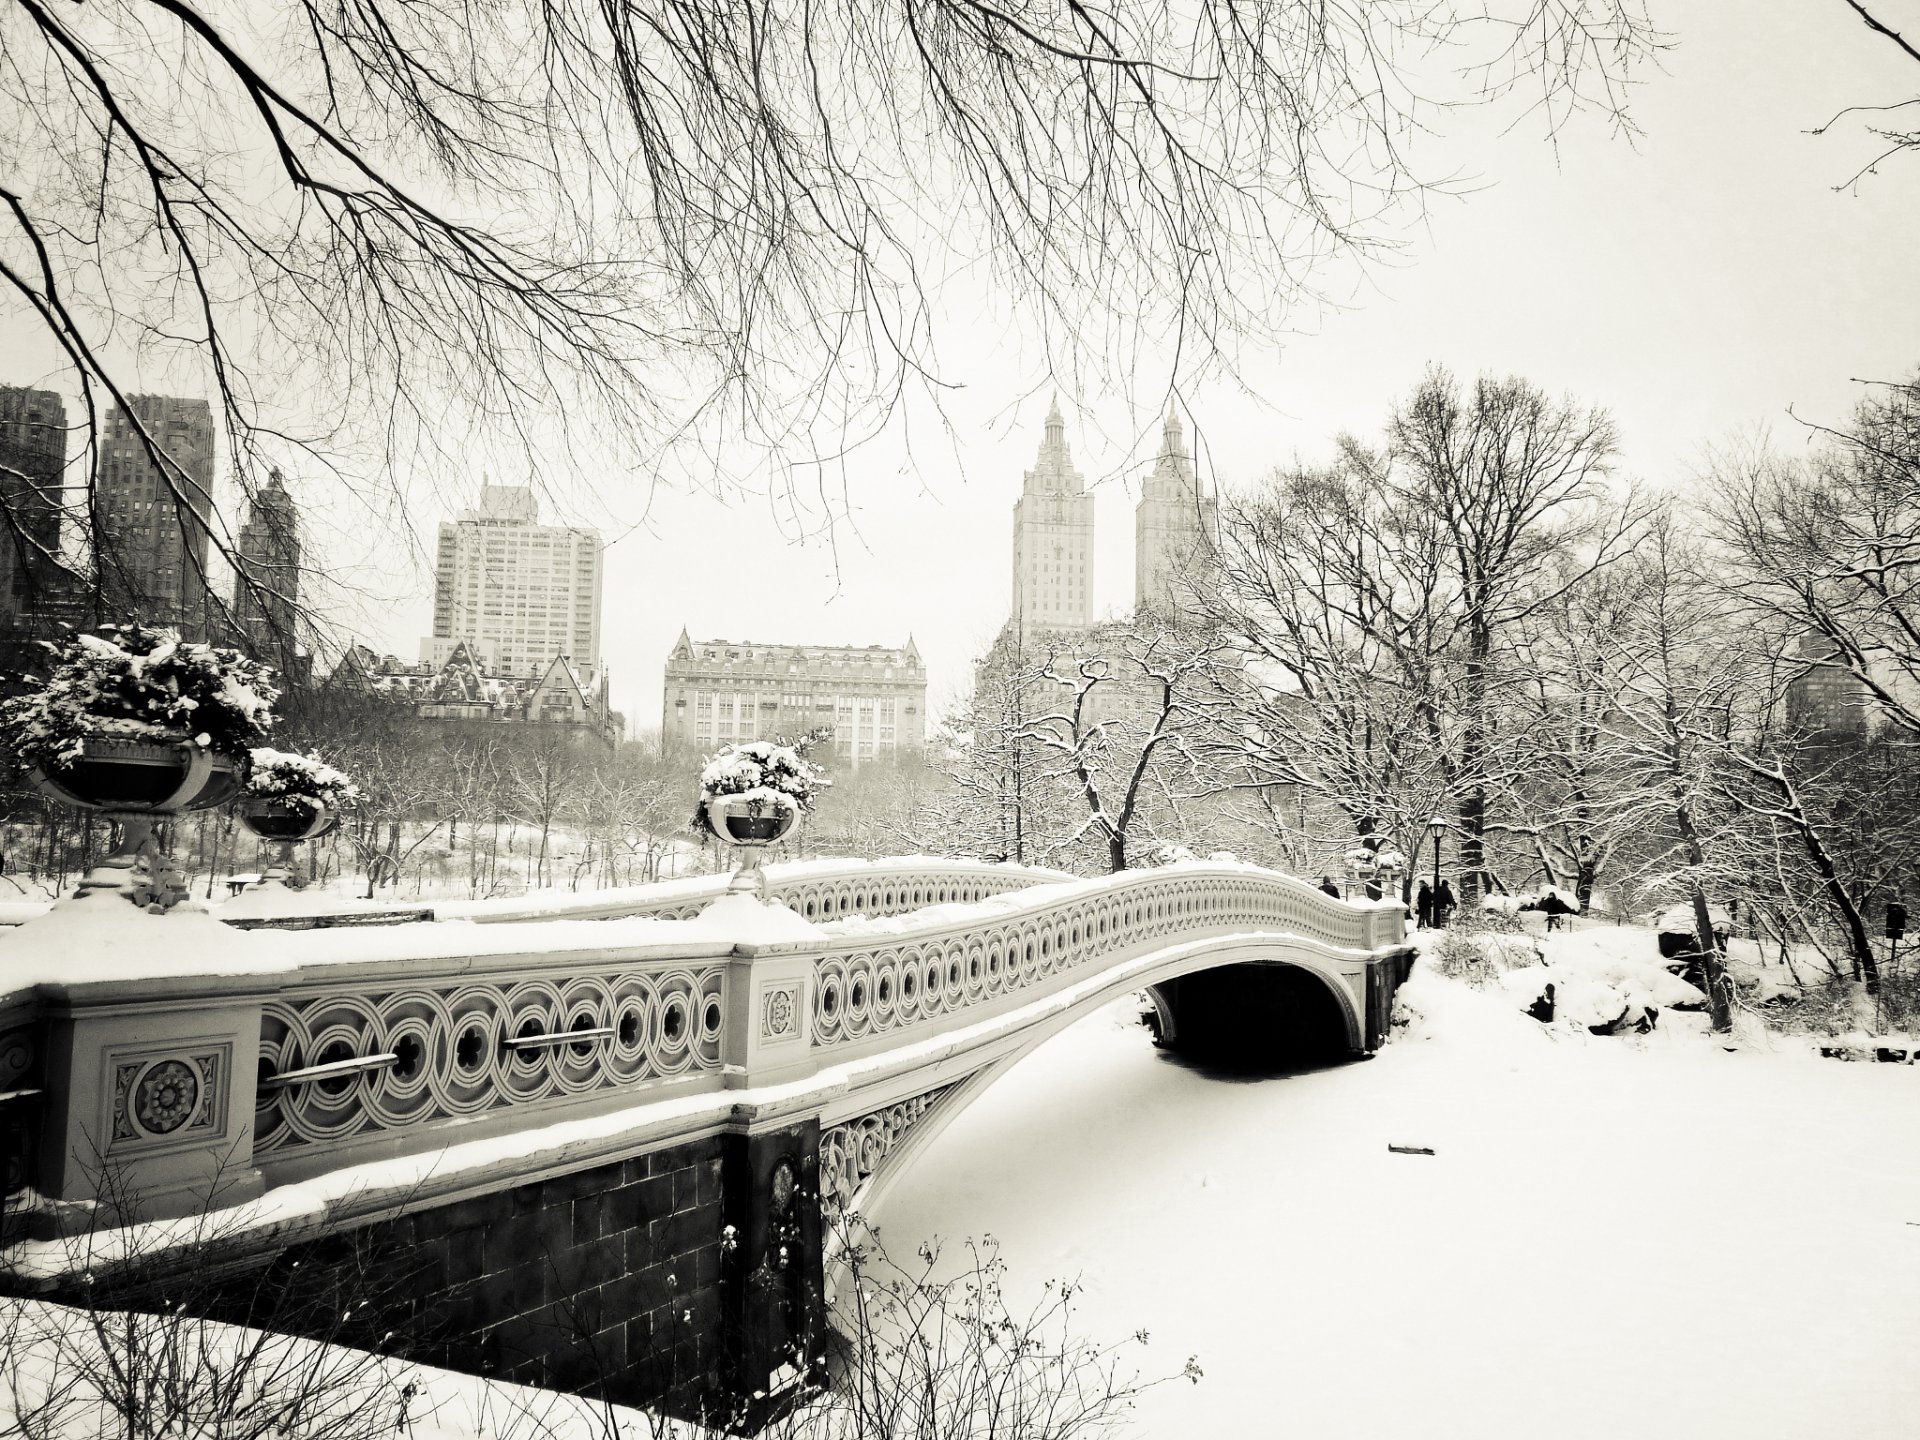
{"x":1173,"y":855}
{"x":139,"y":682}
{"x":1390,"y":859}
{"x":1479,"y":954}
{"x":771,"y":776}
{"x":301,"y":779}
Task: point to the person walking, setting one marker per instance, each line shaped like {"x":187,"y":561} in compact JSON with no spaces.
{"x":1423,"y":906}
{"x":1327,"y":887}
{"x":1443,"y":903}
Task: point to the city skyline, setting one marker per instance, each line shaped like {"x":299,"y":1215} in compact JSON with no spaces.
{"x":1708,"y":278}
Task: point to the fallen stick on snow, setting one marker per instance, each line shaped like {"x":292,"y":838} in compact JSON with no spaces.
{"x":1409,"y":1150}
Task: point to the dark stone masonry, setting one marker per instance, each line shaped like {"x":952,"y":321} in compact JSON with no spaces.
{"x":688,"y":1279}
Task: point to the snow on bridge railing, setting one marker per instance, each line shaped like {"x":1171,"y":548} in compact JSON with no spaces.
{"x":821,"y":889}
{"x":192,"y":1049}
{"x":824,"y":889}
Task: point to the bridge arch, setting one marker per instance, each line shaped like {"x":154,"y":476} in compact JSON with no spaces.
{"x":864,"y":1154}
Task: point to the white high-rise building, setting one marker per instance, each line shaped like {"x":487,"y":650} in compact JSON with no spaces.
{"x":1173,"y":523}
{"x":517,"y":592}
{"x":1053,"y":541}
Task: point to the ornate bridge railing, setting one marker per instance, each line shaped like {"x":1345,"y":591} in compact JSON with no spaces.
{"x":287,"y":1056}
{"x":913,"y":981}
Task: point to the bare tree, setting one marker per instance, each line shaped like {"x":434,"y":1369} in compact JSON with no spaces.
{"x":1383,"y":598}
{"x":383,"y":237}
{"x":1674,"y":690}
{"x":1829,"y":546}
{"x":1895,"y":126}
{"x":1327,"y":689}
{"x":547,"y":775}
{"x":1115,"y":723}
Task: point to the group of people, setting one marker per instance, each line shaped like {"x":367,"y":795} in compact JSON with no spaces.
{"x":1431,"y":908}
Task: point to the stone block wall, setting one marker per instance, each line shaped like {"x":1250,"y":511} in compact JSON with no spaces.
{"x":604,"y":1280}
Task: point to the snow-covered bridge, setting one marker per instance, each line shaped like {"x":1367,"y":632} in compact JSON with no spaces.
{"x":609,"y":1133}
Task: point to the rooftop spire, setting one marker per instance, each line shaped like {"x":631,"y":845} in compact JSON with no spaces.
{"x":1053,"y":468}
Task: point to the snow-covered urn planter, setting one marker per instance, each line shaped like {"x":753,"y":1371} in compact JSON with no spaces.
{"x":294,"y":797}
{"x":291,"y":798}
{"x":122,"y":777}
{"x":136,"y":723}
{"x":751,"y":795}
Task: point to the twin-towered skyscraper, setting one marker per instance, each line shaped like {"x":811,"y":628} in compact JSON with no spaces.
{"x":1053,"y":534}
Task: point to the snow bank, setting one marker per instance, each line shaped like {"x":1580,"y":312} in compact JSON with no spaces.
{"x":1601,"y":978}
{"x":745,"y":920}
{"x":1435,"y":1008}
{"x":1650,"y":1236}
{"x":101,"y":936}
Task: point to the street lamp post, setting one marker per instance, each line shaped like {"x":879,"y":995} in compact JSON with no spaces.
{"x":1436,"y":827}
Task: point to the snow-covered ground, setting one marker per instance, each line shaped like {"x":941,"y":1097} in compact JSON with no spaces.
{"x":1645,"y":1235}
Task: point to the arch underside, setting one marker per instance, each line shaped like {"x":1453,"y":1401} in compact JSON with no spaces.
{"x":863,"y":1155}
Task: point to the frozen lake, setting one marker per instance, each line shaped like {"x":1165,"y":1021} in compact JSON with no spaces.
{"x":1651,"y":1237}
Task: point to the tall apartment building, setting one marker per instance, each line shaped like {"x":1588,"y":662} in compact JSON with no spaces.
{"x":1826,"y":701}
{"x":33,"y":457}
{"x":266,"y":586}
{"x":1053,"y":541}
{"x":150,"y":516}
{"x":719,"y":691}
{"x":516,"y":592}
{"x":1174,"y":523}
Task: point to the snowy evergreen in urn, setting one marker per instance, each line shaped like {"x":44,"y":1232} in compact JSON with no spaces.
{"x":139,"y":683}
{"x":301,"y":782}
{"x":751,"y":795}
{"x":291,"y":797}
{"x":754,"y":791}
{"x":136,"y":723}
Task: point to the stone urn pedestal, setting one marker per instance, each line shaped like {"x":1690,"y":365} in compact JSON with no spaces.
{"x":285,"y":821}
{"x":749,"y":823}
{"x":135,"y":783}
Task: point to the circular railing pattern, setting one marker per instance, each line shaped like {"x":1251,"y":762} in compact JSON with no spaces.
{"x":462,"y":1049}
{"x":901,"y":981}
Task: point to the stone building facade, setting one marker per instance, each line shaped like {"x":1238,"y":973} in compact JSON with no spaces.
{"x":719,"y":692}
{"x":1825,"y":701}
{"x":1176,"y":524}
{"x":1053,"y":540}
{"x":464,"y":689}
{"x":266,"y":586}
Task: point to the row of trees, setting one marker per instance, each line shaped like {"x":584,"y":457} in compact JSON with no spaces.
{"x":1471,"y":616}
{"x":1704,"y":699}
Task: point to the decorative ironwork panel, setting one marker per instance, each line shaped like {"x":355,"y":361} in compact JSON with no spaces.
{"x":478,"y":1045}
{"x":850,"y":1153}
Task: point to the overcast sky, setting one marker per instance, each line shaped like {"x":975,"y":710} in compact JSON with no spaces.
{"x":1697,"y":282}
